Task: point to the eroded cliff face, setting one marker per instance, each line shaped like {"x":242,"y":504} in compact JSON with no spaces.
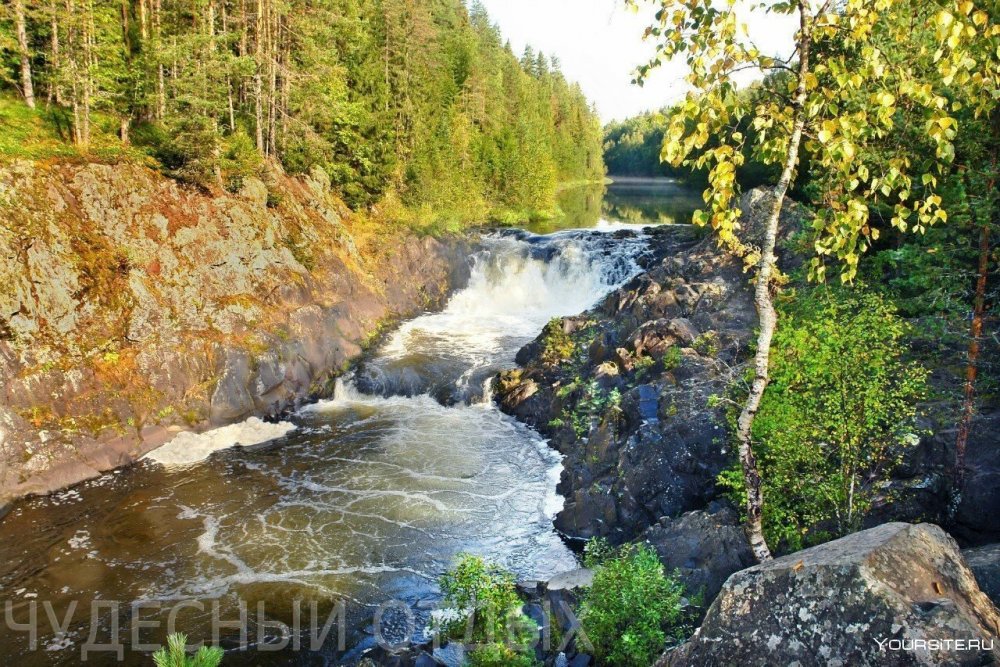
{"x":133,"y":308}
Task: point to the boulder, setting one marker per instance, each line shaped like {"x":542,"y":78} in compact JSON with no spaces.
{"x":571,"y":581}
{"x":703,"y":547}
{"x":897,"y":594}
{"x":755,"y":209}
{"x":985,"y":564}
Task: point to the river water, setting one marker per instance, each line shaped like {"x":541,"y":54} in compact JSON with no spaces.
{"x":361,"y":499}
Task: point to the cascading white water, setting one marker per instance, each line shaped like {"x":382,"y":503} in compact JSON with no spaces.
{"x":517,"y":284}
{"x":374,"y":491}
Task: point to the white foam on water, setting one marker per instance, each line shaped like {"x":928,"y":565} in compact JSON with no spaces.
{"x":513,"y":293}
{"x":189,"y":448}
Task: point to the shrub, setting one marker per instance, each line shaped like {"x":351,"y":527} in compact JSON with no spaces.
{"x":707,"y":344}
{"x":191,"y":150}
{"x":632,"y":608}
{"x":557,"y":345}
{"x":500,"y":655}
{"x":175,"y":654}
{"x":838,"y":414}
{"x":240,"y":160}
{"x":486,"y":593}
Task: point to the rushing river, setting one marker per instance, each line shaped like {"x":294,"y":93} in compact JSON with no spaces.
{"x":366,"y":498}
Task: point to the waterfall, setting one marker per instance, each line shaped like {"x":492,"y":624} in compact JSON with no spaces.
{"x":519,"y":281}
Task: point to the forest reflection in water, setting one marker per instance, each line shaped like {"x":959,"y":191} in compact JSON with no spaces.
{"x":624,"y":201}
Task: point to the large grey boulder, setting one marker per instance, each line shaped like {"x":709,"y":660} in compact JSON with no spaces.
{"x":985,"y":564}
{"x":897,"y":594}
{"x":703,"y":547}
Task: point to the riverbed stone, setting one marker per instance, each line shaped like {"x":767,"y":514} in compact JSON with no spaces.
{"x":571,"y":580}
{"x":837,"y":603}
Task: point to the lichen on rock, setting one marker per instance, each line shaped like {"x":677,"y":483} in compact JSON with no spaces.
{"x":134,"y":302}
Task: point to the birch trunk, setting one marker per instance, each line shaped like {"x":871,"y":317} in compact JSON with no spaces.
{"x":765,"y":308}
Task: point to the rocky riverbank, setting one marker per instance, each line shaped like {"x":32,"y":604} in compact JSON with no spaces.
{"x":628,"y":393}
{"x":135,"y":308}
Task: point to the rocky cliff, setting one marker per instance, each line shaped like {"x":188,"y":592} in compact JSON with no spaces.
{"x":133,"y":308}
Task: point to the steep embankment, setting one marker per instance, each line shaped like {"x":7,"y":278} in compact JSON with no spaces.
{"x":134,"y":308}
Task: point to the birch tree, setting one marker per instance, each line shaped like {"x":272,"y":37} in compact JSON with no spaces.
{"x":836,"y":105}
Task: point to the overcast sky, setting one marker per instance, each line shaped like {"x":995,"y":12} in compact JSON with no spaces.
{"x":599,"y":43}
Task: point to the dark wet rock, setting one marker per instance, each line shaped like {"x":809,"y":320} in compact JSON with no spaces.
{"x":921,"y":488}
{"x":450,"y":655}
{"x":977,"y":520}
{"x":424,"y":660}
{"x":985,"y":564}
{"x":530,"y":587}
{"x":648,"y":403}
{"x":704,"y":547}
{"x":832,"y":604}
{"x":656,"y":449}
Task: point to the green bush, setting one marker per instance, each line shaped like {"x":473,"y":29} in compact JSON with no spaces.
{"x":240,"y":160}
{"x":488,"y":593}
{"x":557,"y":345}
{"x":191,"y":149}
{"x":838,"y":414}
{"x":175,"y":654}
{"x":633,"y":608}
{"x":500,"y":655}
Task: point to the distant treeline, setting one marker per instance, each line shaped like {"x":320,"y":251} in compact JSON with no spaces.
{"x":418,"y":98}
{"x":632,"y":148}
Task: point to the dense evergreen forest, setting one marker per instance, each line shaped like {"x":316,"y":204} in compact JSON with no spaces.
{"x":413,"y":101}
{"x":633,"y":147}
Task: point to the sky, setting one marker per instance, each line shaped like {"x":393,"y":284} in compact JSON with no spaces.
{"x":599,"y":44}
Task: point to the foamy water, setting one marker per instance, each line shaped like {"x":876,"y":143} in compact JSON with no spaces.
{"x":364,"y":497}
{"x":188,"y":448}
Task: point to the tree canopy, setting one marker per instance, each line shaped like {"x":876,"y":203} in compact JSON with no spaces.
{"x":418,"y":99}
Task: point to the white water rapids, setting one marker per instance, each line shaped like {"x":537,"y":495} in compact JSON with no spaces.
{"x":365,"y":497}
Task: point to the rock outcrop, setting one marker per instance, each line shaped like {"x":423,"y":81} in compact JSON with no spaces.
{"x":630,"y":393}
{"x":134,"y":308}
{"x":625,"y":390}
{"x":702,"y":547}
{"x":985,"y":564}
{"x":898,"y":594}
